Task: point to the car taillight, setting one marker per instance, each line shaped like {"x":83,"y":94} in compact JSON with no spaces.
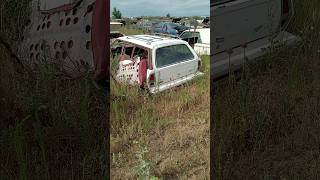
{"x":152,"y":79}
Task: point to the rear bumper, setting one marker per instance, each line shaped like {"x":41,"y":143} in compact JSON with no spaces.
{"x":202,"y":49}
{"x":219,"y":63}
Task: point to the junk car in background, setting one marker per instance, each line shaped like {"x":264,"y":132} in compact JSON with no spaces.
{"x":199,"y":39}
{"x":170,"y":28}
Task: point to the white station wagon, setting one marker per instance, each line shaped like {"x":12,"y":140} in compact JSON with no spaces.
{"x":155,"y":63}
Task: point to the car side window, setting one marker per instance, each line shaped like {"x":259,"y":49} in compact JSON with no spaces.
{"x":128,"y":50}
{"x":172,"y":54}
{"x":138,"y":52}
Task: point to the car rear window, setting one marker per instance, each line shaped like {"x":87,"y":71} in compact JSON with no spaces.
{"x":172,"y":54}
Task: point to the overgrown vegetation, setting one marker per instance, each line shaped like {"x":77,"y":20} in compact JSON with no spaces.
{"x":165,"y":135}
{"x":116,"y":13}
{"x":51,"y":128}
{"x":266,"y":124}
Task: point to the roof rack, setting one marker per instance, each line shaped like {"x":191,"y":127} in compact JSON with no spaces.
{"x":148,"y":41}
{"x":166,"y":35}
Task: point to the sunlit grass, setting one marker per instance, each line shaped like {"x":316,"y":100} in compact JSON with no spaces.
{"x":136,"y":115}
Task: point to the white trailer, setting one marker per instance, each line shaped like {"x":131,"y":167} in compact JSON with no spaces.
{"x":243,"y":29}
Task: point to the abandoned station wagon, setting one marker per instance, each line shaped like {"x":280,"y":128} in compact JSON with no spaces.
{"x":155,"y":63}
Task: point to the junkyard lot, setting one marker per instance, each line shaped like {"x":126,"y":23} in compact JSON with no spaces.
{"x":173,"y":125}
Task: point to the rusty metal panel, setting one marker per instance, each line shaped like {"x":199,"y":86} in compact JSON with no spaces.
{"x":61,"y":32}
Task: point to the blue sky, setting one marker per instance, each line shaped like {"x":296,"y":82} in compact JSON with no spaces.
{"x":130,"y":8}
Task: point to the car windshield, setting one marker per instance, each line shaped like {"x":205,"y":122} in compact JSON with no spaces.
{"x":172,"y":54}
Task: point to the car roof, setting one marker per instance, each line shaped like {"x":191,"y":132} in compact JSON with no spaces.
{"x":116,"y":23}
{"x":150,"y":41}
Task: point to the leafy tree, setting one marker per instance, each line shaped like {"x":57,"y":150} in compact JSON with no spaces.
{"x":116,"y":13}
{"x":168,"y":15}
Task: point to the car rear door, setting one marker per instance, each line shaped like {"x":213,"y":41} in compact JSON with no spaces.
{"x":238,"y":22}
{"x":174,"y":62}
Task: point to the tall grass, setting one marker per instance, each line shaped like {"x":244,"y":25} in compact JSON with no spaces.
{"x":148,"y":119}
{"x":51,"y":128}
{"x":266,"y":124}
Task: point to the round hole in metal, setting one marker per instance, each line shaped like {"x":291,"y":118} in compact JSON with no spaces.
{"x":89,"y":8}
{"x":62,"y":45}
{"x":61,"y":22}
{"x":88,"y":45}
{"x":70,"y":44}
{"x":56,"y":44}
{"x":88,"y":28}
{"x":75,"y":20}
{"x":68,"y":21}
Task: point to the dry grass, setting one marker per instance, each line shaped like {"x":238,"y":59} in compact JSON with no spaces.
{"x":50,"y":128}
{"x":173,"y":125}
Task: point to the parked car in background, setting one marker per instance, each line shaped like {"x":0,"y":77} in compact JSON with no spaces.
{"x":199,"y":39}
{"x":170,"y":28}
{"x":114,"y":35}
{"x":114,"y":26}
{"x":144,"y":25}
{"x":156,"y":63}
{"x":243,"y":29}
